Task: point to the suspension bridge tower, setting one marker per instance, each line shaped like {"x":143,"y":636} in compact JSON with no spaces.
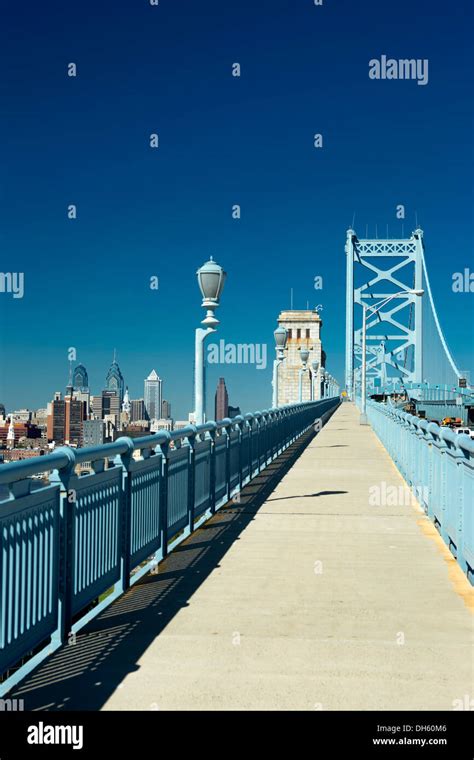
{"x":375,"y":270}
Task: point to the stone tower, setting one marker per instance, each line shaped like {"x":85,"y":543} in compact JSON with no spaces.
{"x":304,"y":331}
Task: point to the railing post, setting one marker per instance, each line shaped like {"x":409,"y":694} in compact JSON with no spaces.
{"x":240,"y":424}
{"x":273,"y":435}
{"x":123,"y":461}
{"x":441,"y":445}
{"x":459,"y":497}
{"x":164,"y":497}
{"x":212,"y":471}
{"x":227,"y":428}
{"x":191,"y":439}
{"x":249,"y":423}
{"x":258,"y":441}
{"x":67,"y":501}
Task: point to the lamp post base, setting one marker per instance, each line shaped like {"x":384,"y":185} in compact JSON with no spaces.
{"x":363,"y":419}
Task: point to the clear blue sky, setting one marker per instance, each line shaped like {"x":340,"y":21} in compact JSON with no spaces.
{"x":223,"y":140}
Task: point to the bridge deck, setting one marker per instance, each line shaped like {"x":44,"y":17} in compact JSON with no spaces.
{"x":303,"y":596}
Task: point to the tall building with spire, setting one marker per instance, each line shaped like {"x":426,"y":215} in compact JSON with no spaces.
{"x":114,"y":380}
{"x":153,"y":395}
{"x":80,"y":378}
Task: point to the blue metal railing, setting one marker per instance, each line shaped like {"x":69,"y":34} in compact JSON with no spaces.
{"x":438,"y":465}
{"x":69,"y":542}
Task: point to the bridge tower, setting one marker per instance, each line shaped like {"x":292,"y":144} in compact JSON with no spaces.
{"x":376,"y":269}
{"x":304,"y":331}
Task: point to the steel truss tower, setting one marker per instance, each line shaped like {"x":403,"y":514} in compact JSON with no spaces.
{"x":381,"y":265}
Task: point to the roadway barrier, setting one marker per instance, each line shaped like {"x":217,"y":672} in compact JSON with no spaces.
{"x":75,"y":539}
{"x":438,"y":465}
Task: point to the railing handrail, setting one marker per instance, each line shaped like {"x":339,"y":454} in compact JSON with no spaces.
{"x":67,"y":457}
{"x":460,"y":440}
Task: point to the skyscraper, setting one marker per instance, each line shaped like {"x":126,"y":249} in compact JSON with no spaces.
{"x":73,"y":421}
{"x":153,"y":395}
{"x":80,"y":379}
{"x":221,"y":400}
{"x":137,"y":409}
{"x":65,"y":421}
{"x":114,"y":380}
{"x":165,"y":410}
{"x":56,"y":420}
{"x":107,"y":403}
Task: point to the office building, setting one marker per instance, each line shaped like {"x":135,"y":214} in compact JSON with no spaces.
{"x":64,"y":424}
{"x":137,"y":409}
{"x":153,"y":397}
{"x":221,"y":403}
{"x":92,"y":432}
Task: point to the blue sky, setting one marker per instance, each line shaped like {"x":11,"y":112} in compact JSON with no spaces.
{"x":223,"y":141}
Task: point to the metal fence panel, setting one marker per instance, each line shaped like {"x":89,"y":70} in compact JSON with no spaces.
{"x":453,"y":500}
{"x":221,"y":480}
{"x":468,"y":510}
{"x":178,"y":473}
{"x":96,"y":533}
{"x":245,"y":444}
{"x":145,"y":525}
{"x":202,"y":478}
{"x":29,"y":572}
{"x":234,"y":458}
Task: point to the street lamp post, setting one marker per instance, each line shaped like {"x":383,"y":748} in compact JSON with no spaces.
{"x":314,"y":384}
{"x":304,"y":355}
{"x":281,"y":336}
{"x":372,"y":310}
{"x":211,"y":278}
